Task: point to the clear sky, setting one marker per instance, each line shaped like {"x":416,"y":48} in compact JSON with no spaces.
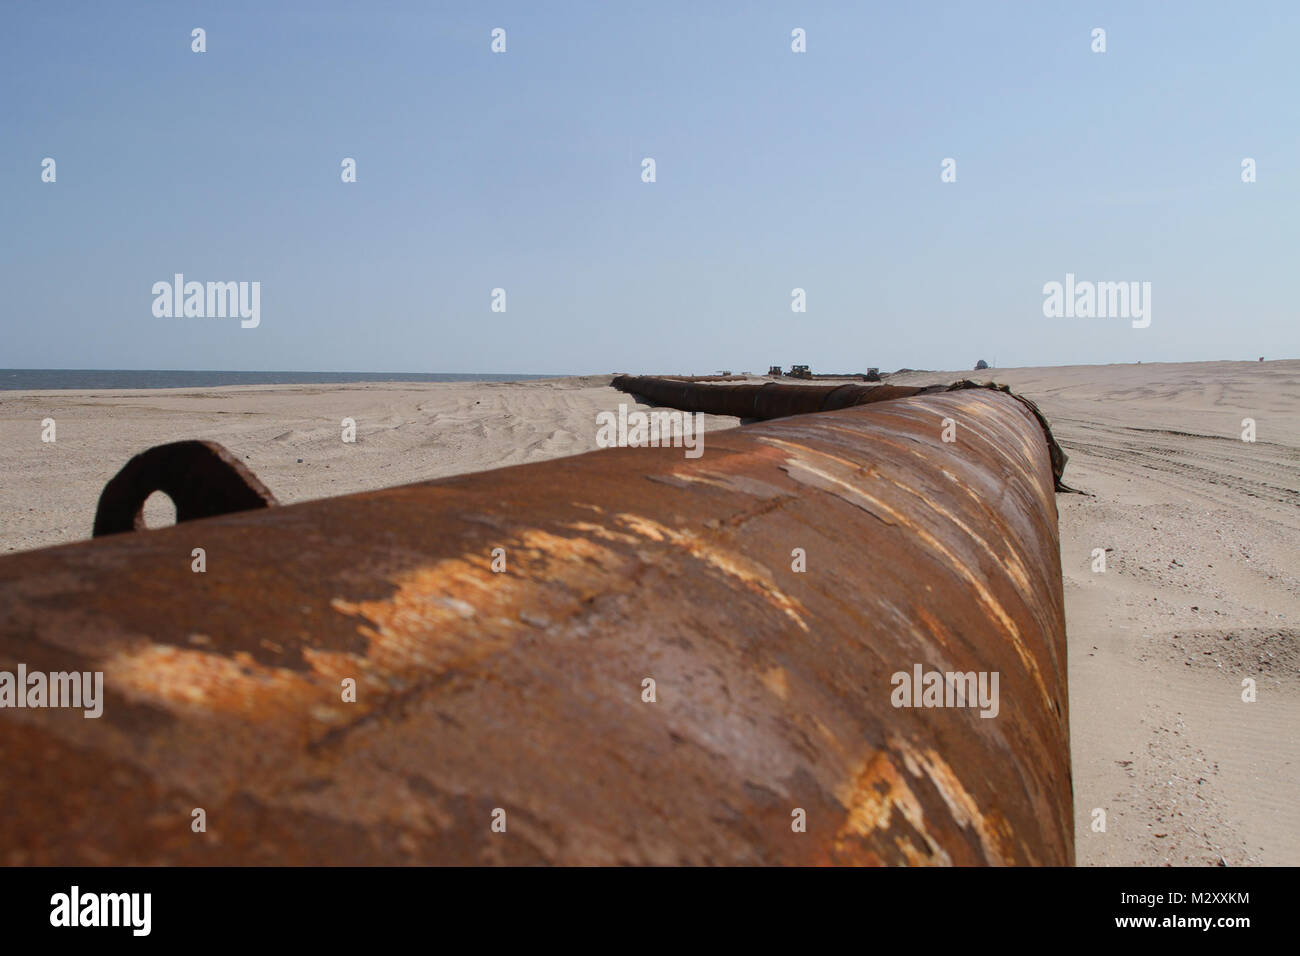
{"x":523,"y":171}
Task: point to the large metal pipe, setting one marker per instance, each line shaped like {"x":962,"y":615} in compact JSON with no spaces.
{"x":771,"y":589}
{"x":769,"y":400}
{"x":772,"y":400}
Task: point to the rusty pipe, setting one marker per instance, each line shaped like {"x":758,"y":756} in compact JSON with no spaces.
{"x":516,"y":693}
{"x":766,"y":401}
{"x":772,"y":400}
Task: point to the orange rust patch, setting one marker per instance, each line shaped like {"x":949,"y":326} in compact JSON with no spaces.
{"x":458,"y":611}
{"x":199,"y":683}
{"x":774,"y":679}
{"x":753,"y":575}
{"x":600,"y":531}
{"x":877,"y":790}
{"x":994,"y":835}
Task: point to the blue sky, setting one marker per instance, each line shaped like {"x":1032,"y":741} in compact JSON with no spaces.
{"x":522,"y":170}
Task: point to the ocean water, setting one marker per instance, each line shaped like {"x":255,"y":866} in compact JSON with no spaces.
{"x":52,"y":378}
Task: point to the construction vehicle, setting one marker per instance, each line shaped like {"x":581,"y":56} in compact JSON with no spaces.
{"x":800,"y":371}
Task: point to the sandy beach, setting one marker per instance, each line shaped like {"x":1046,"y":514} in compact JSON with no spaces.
{"x":1201,"y":587}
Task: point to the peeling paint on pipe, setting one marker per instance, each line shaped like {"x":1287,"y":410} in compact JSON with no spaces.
{"x":523,"y":691}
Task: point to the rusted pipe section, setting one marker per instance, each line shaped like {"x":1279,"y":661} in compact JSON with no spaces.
{"x":769,"y":400}
{"x":772,"y":400}
{"x":706,"y":378}
{"x":626,"y":656}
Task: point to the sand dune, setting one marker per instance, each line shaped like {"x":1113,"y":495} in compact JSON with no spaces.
{"x":1199,"y":528}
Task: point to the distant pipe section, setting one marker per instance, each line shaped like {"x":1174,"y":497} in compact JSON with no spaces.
{"x":773,"y":400}
{"x":835,"y":638}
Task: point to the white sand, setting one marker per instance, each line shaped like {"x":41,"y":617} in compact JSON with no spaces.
{"x":1202,"y":586}
{"x":405,"y":432}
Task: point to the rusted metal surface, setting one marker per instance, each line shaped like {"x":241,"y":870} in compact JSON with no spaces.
{"x":523,"y":690}
{"x":202,"y":479}
{"x":706,"y":378}
{"x":772,"y":400}
{"x":1057,"y":454}
{"x":769,"y":400}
